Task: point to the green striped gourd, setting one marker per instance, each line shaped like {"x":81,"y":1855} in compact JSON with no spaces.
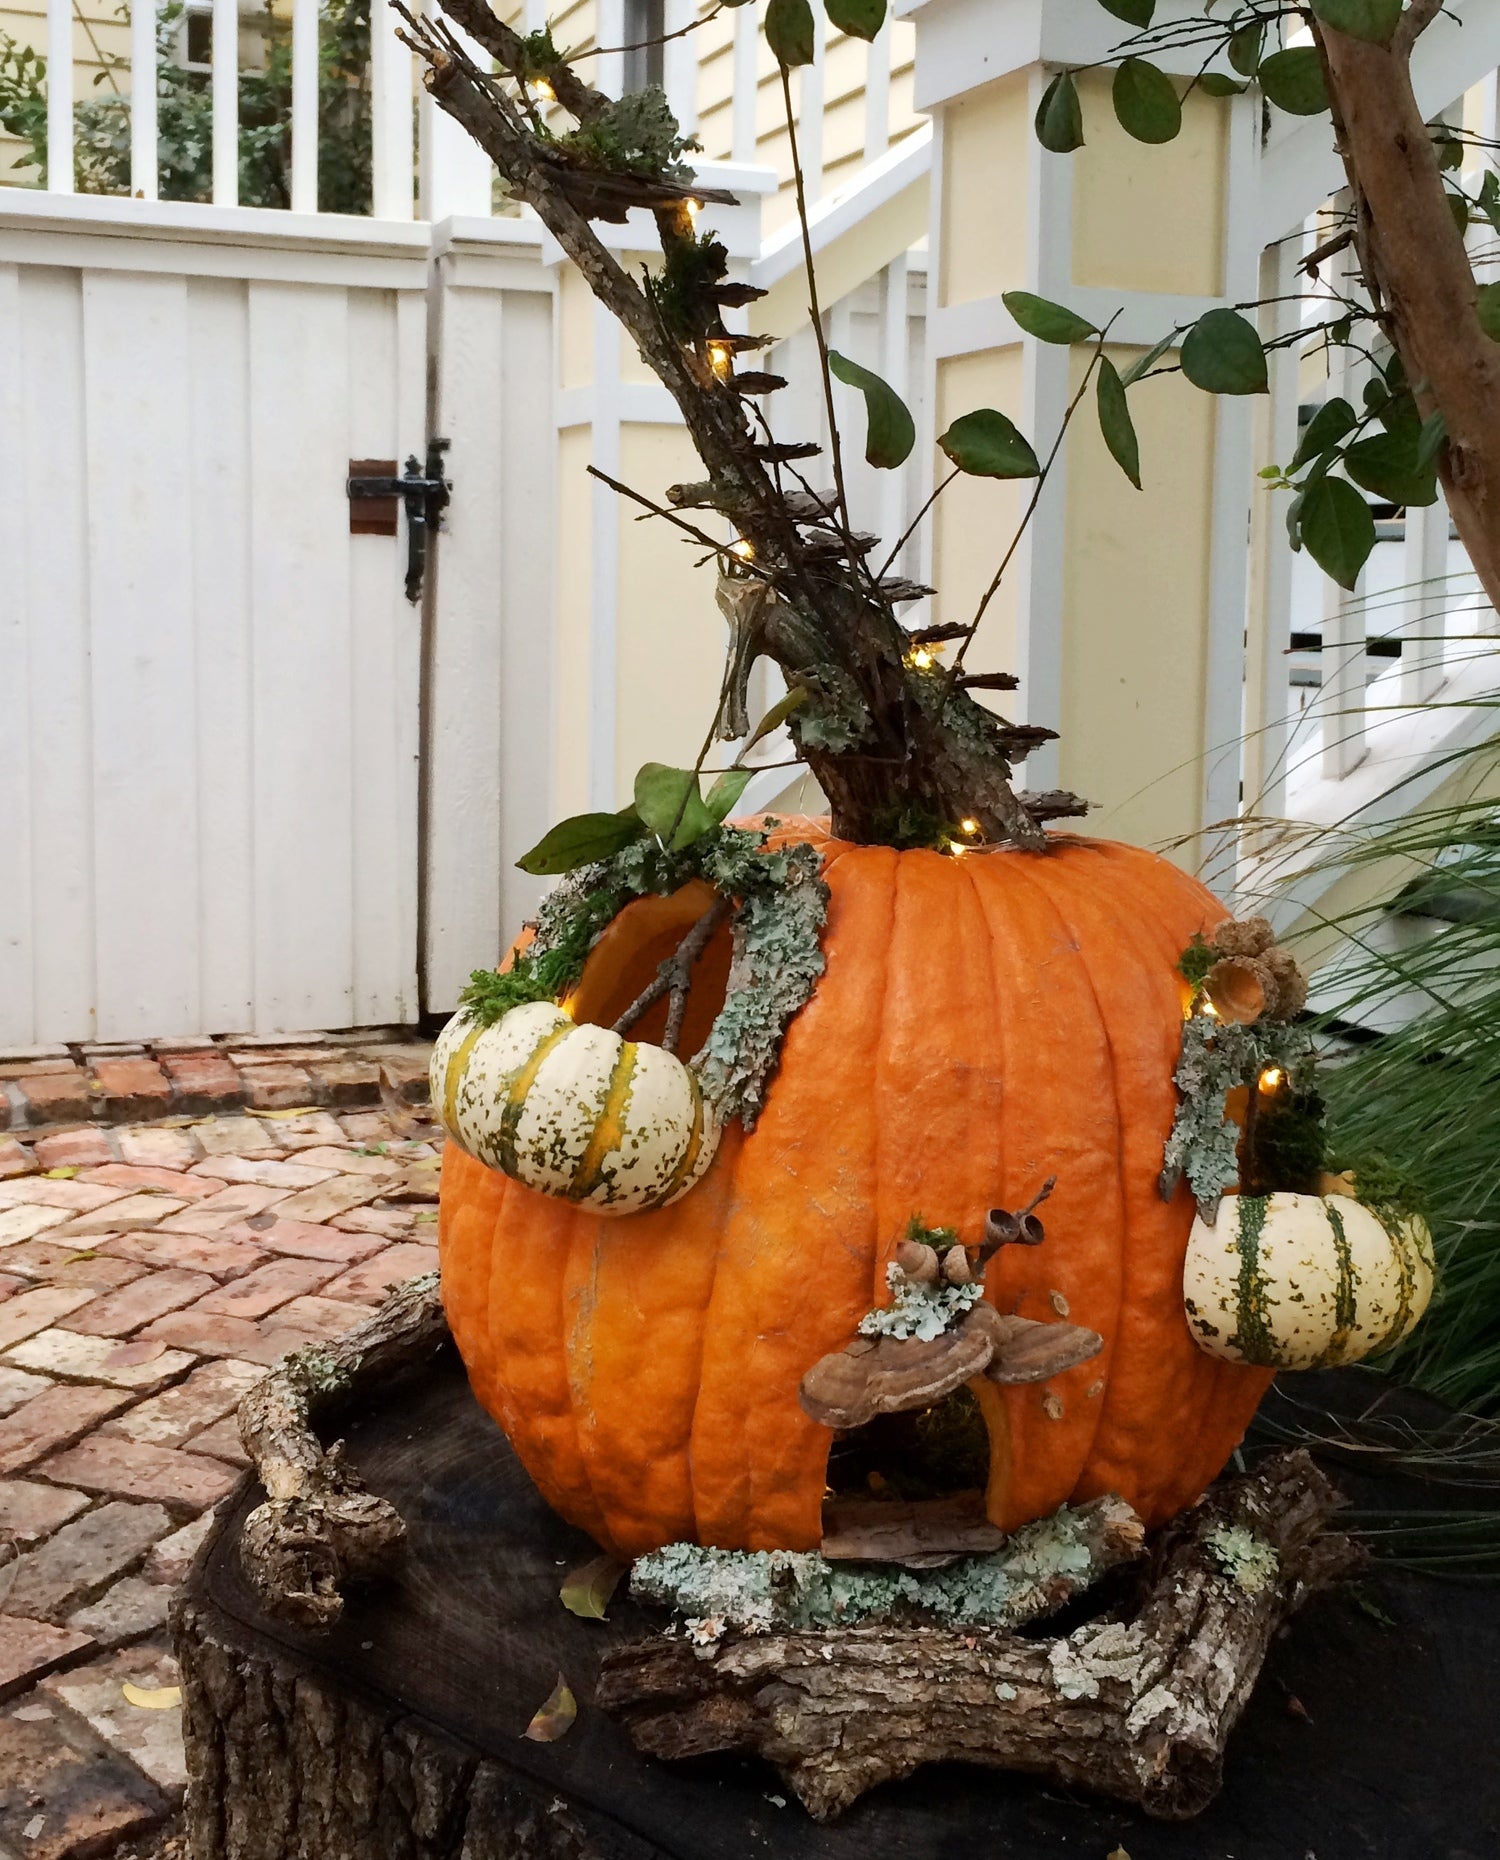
{"x":573,"y":1110}
{"x":1302,"y":1281}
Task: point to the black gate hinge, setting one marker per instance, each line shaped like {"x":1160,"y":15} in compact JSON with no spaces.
{"x":372,"y":482}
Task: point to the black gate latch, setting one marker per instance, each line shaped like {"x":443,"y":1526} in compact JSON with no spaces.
{"x":376,"y":495}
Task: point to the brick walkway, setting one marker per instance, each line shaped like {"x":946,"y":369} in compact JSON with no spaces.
{"x":149,"y":1273}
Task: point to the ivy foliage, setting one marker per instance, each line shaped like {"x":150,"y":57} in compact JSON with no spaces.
{"x":1384,"y":451}
{"x":184,"y":107}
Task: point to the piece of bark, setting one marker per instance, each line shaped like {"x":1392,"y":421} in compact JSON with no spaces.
{"x":1139,"y":1709}
{"x":922,"y":1535}
{"x":318,"y":1529}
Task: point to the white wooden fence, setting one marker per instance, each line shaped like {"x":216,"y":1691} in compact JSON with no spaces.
{"x":253,"y":788}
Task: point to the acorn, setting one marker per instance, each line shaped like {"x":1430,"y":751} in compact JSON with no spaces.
{"x":956,"y":1267}
{"x":1252,"y":936}
{"x":918,"y":1261}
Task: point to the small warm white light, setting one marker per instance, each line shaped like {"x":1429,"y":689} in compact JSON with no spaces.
{"x":1269,"y":1080}
{"x":742,"y":549}
{"x":957,"y":848}
{"x":721,"y":358}
{"x":542,"y":87}
{"x":1209,"y":1011}
{"x":919,"y":658}
{"x":969,"y":826}
{"x":694,"y":208}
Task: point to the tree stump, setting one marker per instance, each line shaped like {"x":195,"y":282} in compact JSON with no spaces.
{"x":397,"y":1732}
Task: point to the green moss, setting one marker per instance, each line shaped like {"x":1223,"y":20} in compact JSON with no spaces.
{"x":637,"y":134}
{"x":682,"y":290}
{"x":1196,"y":960}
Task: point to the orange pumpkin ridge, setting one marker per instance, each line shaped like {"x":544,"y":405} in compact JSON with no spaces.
{"x":981,"y":1023}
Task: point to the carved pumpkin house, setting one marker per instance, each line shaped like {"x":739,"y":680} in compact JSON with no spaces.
{"x":983,"y":1023}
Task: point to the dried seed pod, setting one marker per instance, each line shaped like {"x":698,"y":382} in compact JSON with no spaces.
{"x":956,"y":1267}
{"x":1251,"y":937}
{"x":1288,"y":984}
{"x":918,"y":1261}
{"x":1240,"y":989}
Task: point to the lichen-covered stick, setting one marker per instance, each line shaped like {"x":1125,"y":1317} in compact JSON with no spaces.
{"x":317,"y":1528}
{"x":1139,"y":1709}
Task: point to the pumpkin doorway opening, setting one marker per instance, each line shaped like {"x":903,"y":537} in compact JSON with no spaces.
{"x":628,"y":958}
{"x":912,"y":1487}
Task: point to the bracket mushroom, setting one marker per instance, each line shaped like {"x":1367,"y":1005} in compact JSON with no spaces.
{"x":889,"y":1375}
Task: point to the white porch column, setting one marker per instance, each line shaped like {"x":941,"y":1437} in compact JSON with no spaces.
{"x":1123,"y":612}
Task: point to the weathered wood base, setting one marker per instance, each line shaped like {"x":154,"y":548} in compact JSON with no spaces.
{"x":1137,"y":1705}
{"x":396,"y":1733}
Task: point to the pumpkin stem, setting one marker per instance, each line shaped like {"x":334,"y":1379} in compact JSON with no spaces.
{"x":674,"y":977}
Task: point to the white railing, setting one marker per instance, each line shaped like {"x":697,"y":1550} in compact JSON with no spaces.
{"x":454,"y":175}
{"x":1355,"y":701}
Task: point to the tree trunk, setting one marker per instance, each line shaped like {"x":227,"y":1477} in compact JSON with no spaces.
{"x":1417,"y":268}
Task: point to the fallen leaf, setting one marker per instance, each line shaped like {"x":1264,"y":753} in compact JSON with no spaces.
{"x":305,"y":1110}
{"x":152,"y":1698}
{"x":555,"y":1719}
{"x":87,"y":1253}
{"x":61,"y":1175}
{"x":586,"y":1590}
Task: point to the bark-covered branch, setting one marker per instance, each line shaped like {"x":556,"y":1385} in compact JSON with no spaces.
{"x":318,"y":1529}
{"x":888,"y":741}
{"x":1137,"y":1708}
{"x":1417,"y":269}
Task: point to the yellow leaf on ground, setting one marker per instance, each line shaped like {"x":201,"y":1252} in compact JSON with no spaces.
{"x":556,"y":1717}
{"x":152,"y":1698}
{"x":61,"y":1175}
{"x":586,"y":1590}
{"x":305,"y":1110}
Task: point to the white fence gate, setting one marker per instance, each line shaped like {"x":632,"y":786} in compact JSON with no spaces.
{"x":210,"y":695}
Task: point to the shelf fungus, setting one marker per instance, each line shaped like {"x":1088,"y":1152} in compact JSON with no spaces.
{"x":938,"y":1333}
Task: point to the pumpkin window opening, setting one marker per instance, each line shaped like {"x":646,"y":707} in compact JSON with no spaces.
{"x":628,"y":954}
{"x":924,"y":1454}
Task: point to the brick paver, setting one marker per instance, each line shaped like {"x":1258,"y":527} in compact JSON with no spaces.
{"x":141,"y":1294}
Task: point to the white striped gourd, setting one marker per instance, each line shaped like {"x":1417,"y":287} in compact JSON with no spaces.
{"x":1303,"y":1281}
{"x":573,"y":1110}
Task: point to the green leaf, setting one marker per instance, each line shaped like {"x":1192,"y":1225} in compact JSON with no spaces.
{"x":1458,"y":206}
{"x":1489,"y":198}
{"x":1450,"y":154}
{"x":1133,"y":12}
{"x":777,"y":715}
{"x":668,"y":801}
{"x":580,"y":841}
{"x":1145,"y":363}
{"x":1146,"y":102}
{"x":1245,"y":49}
{"x":890,"y":432}
{"x":1386,"y":464}
{"x":586,"y":1590}
{"x":1219,"y":84}
{"x":861,"y":19}
{"x":1488,"y":307}
{"x":1116,"y":424}
{"x":1371,"y":20}
{"x":988,"y":445}
{"x":1223,"y":354}
{"x":1294,"y":521}
{"x":790,"y":32}
{"x":1292,"y":80}
{"x":1338,"y":529}
{"x":1059,"y":116}
{"x":1047,"y":321}
{"x":1432,"y":439}
{"x":726,"y":791}
{"x":1333,"y":420}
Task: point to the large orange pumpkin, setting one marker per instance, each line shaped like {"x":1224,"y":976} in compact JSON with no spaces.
{"x":983,"y":1022}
